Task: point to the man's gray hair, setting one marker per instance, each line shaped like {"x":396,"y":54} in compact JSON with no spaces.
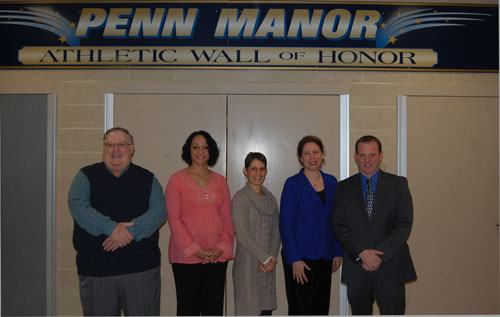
{"x":119,"y":129}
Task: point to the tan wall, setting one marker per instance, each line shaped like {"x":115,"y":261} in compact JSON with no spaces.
{"x":80,"y":122}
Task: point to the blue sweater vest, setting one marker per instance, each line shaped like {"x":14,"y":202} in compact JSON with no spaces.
{"x":122,"y":199}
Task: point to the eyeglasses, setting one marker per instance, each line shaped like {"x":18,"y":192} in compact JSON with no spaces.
{"x":121,"y":146}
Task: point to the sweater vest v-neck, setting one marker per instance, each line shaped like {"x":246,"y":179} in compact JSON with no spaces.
{"x":122,"y":199}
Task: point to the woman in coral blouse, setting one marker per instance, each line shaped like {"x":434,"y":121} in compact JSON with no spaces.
{"x":202,"y":234}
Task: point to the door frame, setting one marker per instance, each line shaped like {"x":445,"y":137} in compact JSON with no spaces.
{"x":249,"y":89}
{"x":51,"y":201}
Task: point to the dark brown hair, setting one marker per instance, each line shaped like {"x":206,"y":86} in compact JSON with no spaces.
{"x":309,"y":139}
{"x":368,"y":139}
{"x":255,"y":156}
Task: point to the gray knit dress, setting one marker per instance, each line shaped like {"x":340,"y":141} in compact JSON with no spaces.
{"x":255,"y":220}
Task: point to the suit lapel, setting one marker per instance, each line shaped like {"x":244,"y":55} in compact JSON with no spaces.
{"x":328,"y":191}
{"x":305,"y":183}
{"x":379,"y":195}
{"x":308,"y":186}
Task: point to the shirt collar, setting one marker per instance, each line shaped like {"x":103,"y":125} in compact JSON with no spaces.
{"x":374,"y":180}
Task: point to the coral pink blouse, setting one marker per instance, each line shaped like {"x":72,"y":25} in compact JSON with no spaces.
{"x":198,"y":217}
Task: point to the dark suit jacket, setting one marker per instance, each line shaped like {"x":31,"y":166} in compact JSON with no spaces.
{"x":392,"y":218}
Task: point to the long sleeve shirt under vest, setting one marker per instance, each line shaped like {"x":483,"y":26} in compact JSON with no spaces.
{"x":95,"y":223}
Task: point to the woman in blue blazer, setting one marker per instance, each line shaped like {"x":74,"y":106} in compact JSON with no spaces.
{"x":310,"y":251}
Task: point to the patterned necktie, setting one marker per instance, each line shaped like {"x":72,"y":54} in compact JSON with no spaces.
{"x":369,"y":199}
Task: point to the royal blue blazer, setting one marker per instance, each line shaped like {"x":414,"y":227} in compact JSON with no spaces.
{"x":305,"y":222}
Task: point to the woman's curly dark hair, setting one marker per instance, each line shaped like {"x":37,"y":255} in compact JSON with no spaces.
{"x":213,"y":150}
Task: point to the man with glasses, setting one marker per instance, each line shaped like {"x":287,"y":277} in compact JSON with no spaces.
{"x":117,"y":209}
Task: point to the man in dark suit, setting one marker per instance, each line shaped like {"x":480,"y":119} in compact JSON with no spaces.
{"x":372,"y":220}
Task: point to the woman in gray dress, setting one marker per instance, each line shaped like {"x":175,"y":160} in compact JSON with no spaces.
{"x":254,"y":212}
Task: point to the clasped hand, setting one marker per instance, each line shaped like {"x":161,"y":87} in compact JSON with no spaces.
{"x":208,"y":256}
{"x":119,"y":238}
{"x":268,"y":267}
{"x":371,"y":260}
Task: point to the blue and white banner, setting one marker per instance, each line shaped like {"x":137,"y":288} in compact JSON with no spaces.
{"x":234,"y":34}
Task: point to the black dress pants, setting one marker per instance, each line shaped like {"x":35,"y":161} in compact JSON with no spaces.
{"x":312,"y":298}
{"x":200,"y":288}
{"x":390,"y":296}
